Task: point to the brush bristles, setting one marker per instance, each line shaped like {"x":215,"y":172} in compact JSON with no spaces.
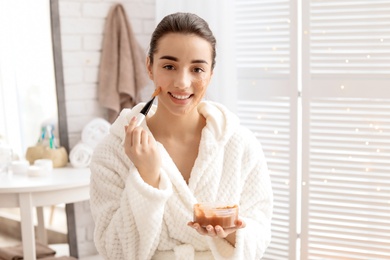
{"x":156,"y":92}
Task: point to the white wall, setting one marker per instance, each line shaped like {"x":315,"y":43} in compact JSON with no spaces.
{"x":82,"y":24}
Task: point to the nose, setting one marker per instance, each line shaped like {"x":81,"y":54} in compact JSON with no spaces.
{"x":182,"y":80}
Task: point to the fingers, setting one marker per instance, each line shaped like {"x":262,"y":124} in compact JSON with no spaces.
{"x":198,"y":228}
{"x":129,"y":129}
{"x":240,"y":223}
{"x":220,"y":232}
{"x":137,"y":135}
{"x":208,"y":230}
{"x":144,"y":139}
{"x":211,"y":231}
{"x":217,"y":231}
{"x":132,"y":124}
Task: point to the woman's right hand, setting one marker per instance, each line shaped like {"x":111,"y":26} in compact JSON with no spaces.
{"x":141,"y":148}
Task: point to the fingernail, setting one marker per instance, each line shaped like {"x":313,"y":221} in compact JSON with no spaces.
{"x":217,"y":229}
{"x":209,"y":228}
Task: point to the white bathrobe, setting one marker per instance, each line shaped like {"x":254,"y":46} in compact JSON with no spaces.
{"x":133,"y":220}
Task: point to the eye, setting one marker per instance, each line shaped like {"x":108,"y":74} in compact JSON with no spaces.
{"x":198,"y":70}
{"x":168,"y":67}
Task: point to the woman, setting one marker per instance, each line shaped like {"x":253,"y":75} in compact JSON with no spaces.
{"x":146,"y":179}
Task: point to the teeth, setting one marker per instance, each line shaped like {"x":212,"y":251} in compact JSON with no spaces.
{"x":180,"y":97}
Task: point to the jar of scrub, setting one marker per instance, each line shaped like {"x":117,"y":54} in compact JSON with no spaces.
{"x":221,"y":214}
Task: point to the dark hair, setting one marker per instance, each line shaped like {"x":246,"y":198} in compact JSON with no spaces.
{"x":185,"y":23}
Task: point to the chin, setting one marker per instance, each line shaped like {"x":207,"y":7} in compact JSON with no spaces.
{"x":187,"y":110}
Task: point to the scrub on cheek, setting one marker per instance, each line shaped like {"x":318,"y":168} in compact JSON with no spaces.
{"x":200,"y":84}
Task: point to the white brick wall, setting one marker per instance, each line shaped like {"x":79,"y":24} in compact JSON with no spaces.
{"x":82,"y":24}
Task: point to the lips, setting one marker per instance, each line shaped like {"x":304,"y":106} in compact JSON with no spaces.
{"x":180,"y":96}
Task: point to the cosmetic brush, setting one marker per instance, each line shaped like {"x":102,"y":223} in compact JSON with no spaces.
{"x":141,"y":116}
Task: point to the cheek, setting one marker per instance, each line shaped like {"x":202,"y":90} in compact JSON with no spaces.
{"x":161,"y":80}
{"x":201,"y":83}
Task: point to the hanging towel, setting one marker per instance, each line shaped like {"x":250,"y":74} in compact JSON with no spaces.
{"x":122,"y":72}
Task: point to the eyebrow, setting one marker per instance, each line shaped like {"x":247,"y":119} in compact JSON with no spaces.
{"x":167,"y":57}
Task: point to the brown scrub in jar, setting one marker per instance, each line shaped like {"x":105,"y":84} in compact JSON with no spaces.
{"x":224,"y":215}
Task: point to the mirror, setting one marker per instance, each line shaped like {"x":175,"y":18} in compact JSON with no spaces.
{"x":31,"y":84}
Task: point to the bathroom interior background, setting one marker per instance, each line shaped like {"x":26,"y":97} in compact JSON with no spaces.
{"x":334,"y":100}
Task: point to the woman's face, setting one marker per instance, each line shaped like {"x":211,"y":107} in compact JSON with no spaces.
{"x":182,"y":68}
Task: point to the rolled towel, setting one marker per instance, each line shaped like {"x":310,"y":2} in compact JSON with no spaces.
{"x":80,"y":156}
{"x":95,"y":131}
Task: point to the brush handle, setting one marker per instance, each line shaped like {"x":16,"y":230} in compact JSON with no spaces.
{"x":140,"y":119}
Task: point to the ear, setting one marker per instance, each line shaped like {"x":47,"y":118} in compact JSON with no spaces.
{"x":149,"y":68}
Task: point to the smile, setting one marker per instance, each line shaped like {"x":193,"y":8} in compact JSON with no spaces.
{"x":181,"y":97}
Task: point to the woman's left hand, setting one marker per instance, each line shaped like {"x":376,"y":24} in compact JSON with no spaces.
{"x":217,"y":231}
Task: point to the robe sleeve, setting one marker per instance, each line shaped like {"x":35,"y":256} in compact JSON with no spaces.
{"x":256,"y":203}
{"x":128,"y":213}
